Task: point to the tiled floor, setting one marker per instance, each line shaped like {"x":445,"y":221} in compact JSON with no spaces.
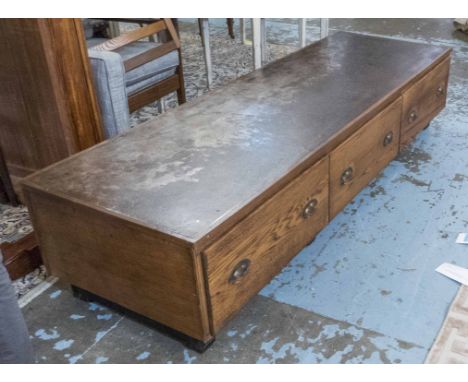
{"x":364,"y":291}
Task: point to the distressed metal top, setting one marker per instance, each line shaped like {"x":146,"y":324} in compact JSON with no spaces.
{"x":191,"y":169}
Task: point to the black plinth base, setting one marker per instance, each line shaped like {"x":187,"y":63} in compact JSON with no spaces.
{"x":190,"y":342}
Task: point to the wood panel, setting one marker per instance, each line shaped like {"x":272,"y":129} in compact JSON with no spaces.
{"x":250,"y":254}
{"x":74,"y":71}
{"x":144,"y":96}
{"x":149,"y":55}
{"x":122,"y":262}
{"x":47,"y":108}
{"x":361,"y":157}
{"x":25,"y":93}
{"x":22,"y":256}
{"x":131,"y":36}
{"x":216,"y":160}
{"x":423,"y":101}
{"x":7,"y":193}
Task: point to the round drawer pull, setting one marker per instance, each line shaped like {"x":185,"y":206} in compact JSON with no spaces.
{"x":309,"y":208}
{"x":240,"y":270}
{"x":440,"y":91}
{"x":413,"y":116}
{"x":347,"y":176}
{"x":388,"y":138}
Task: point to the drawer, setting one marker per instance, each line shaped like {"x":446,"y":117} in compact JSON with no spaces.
{"x":244,"y":260}
{"x":360,"y":158}
{"x":423,"y":101}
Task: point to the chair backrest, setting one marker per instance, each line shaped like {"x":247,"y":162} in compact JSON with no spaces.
{"x":140,"y":33}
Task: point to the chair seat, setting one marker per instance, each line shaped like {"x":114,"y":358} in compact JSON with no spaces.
{"x":114,"y":85}
{"x":147,"y":74}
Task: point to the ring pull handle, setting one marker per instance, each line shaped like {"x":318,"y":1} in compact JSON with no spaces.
{"x":239,"y":271}
{"x":310,"y":208}
{"x":440,"y":91}
{"x":388,"y":138}
{"x":413,"y":116}
{"x":346,"y":176}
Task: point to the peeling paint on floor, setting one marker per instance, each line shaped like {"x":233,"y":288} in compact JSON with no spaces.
{"x":265,"y":331}
{"x":387,"y":243}
{"x":365,"y":291}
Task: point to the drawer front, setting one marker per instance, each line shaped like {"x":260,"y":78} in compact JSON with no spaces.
{"x":246,"y":258}
{"x":362,"y":156}
{"x":423,"y":100}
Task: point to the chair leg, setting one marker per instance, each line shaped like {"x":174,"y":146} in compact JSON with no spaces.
{"x":200,"y":31}
{"x":323,"y":28}
{"x":263,"y":40}
{"x":161,"y":106}
{"x":242,"y":30}
{"x":181,"y":94}
{"x":302,"y":32}
{"x":256,"y":42}
{"x":181,"y":90}
{"x":207,"y":53}
{"x":230,"y":24}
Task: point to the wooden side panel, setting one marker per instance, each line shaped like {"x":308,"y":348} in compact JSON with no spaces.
{"x":29,"y":118}
{"x":120,"y":261}
{"x":74,"y":71}
{"x":7,"y":193}
{"x":264,"y":242}
{"x":47,"y":107}
{"x":362,"y":156}
{"x":423,"y":101}
{"x":149,"y":94}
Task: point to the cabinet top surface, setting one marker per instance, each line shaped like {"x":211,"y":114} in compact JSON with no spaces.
{"x":194,"y":167}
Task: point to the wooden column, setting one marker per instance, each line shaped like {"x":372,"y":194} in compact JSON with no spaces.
{"x":48,"y":107}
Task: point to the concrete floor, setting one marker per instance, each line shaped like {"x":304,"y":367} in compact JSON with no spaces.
{"x":364,"y":291}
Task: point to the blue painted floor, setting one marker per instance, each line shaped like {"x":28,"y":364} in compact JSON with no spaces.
{"x":364,"y":291}
{"x":373,"y":266}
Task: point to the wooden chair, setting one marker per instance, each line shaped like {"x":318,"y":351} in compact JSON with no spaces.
{"x":155,"y":92}
{"x":139,"y":71}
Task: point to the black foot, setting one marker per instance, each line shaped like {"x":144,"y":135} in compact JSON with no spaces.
{"x":310,"y":242}
{"x":190,"y":342}
{"x":82,"y":294}
{"x":427,"y":126}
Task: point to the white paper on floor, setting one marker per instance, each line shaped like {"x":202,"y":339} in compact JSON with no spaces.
{"x":454,"y":272}
{"x":462,"y":238}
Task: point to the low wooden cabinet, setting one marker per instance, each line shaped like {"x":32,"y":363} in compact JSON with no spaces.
{"x":362,"y":156}
{"x":183,"y":219}
{"x":240,"y":263}
{"x":423,"y":100}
